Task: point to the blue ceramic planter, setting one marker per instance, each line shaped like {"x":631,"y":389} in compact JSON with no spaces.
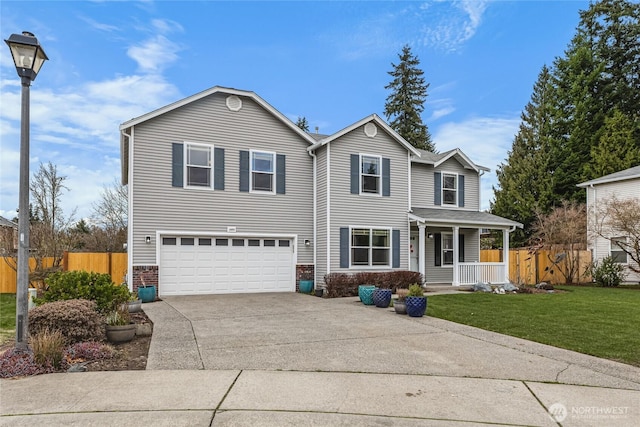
{"x":416,"y":306}
{"x":382,"y":297}
{"x":362,"y":287}
{"x":306,"y":286}
{"x":366,"y":295}
{"x":147,"y":294}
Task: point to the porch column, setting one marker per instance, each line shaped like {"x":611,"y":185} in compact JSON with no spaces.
{"x":456,"y":248}
{"x":421,"y":250}
{"x":505,"y":253}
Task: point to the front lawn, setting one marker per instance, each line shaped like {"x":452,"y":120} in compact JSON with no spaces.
{"x":7,"y":317}
{"x":602,"y":322}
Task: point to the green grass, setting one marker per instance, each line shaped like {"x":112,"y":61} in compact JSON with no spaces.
{"x":7,"y":317}
{"x":602,"y":322}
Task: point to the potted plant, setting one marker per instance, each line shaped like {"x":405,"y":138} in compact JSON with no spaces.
{"x":382,"y":297}
{"x":147,"y":293}
{"x":415,"y":301}
{"x":135,"y":304}
{"x":399,"y":303}
{"x":306,"y":283}
{"x":364,"y":293}
{"x":119,"y":326}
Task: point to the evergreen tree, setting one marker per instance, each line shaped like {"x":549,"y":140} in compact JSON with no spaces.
{"x":617,"y":150}
{"x":524,"y":181}
{"x":405,"y":103}
{"x":303,"y":124}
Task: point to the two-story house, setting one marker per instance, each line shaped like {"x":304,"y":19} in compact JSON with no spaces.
{"x":228,"y":195}
{"x":603,"y":239}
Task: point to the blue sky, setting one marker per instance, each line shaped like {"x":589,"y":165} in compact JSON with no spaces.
{"x":328,"y":61}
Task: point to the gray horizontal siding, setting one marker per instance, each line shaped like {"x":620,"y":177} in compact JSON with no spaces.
{"x":440,"y":274}
{"x":422,"y":184}
{"x":321,"y":240}
{"x":361,"y":210}
{"x":159,"y":206}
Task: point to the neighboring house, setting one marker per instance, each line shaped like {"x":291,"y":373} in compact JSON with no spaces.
{"x":228,"y":195}
{"x":623,"y":185}
{"x":8,"y":237}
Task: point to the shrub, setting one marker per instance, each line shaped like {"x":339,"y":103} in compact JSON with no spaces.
{"x":83,"y":285}
{"x":15,"y":363}
{"x":77,"y":320}
{"x":346,"y":285}
{"x":118,"y":317}
{"x":48,"y":348}
{"x":89,"y":351}
{"x":415,"y":290}
{"x":607,"y":272}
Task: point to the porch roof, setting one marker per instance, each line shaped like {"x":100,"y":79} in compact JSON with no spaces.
{"x":451,"y":217}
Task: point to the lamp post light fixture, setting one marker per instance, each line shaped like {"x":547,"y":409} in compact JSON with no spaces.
{"x":28,"y":57}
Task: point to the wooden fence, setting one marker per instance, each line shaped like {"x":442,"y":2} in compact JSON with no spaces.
{"x":531,"y":268}
{"x":113,"y":263}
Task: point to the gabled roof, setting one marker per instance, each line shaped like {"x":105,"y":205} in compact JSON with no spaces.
{"x":436,"y":159}
{"x":372,"y":118}
{"x":460,"y":217}
{"x":211,"y":91}
{"x":631,"y":173}
{"x":4,"y":222}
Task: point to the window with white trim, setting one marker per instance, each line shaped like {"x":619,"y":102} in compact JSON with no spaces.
{"x":617,"y":253}
{"x":263,"y":168}
{"x":449,"y":189}
{"x":370,"y":174}
{"x":199,"y":170}
{"x":371,"y":247}
{"x":447,"y":249}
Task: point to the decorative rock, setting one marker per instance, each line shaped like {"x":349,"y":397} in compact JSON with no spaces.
{"x":545,"y":286}
{"x":482,"y":287}
{"x":510,"y":287}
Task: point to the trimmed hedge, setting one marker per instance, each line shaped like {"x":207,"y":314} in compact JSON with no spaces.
{"x":346,"y":285}
{"x":77,"y":320}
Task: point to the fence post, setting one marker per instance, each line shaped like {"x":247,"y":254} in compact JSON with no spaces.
{"x":65,"y":261}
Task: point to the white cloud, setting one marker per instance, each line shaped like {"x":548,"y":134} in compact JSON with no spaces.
{"x":447,"y":27}
{"x":485,"y":140}
{"x":155,"y":54}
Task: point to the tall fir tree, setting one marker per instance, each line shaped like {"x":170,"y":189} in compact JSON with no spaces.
{"x":405,"y":103}
{"x":303,"y":124}
{"x":617,"y":149}
{"x":524,"y":184}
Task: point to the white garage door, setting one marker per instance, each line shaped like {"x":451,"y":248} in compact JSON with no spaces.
{"x":210,"y":265}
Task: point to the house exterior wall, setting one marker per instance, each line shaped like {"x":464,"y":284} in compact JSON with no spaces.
{"x":367,"y":210}
{"x":423,"y":185}
{"x":321,"y":207}
{"x":157,"y":205}
{"x":444,"y":274}
{"x":598,"y":194}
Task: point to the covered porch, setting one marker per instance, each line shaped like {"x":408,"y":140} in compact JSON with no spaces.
{"x":445,"y":246}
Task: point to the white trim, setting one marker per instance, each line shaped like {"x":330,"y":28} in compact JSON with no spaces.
{"x":273,"y":174}
{"x":328,"y":183}
{"x":370,"y":265}
{"x":130,"y":222}
{"x":185,"y":165}
{"x":372,"y":118}
{"x":211,"y":91}
{"x":442,"y":189}
{"x":408,"y":180}
{"x":360,"y":173}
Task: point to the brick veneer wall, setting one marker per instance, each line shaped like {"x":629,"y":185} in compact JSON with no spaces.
{"x":150,"y":275}
{"x":303,"y":269}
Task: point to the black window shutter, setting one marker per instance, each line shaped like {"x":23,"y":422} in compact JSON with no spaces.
{"x":280,"y":173}
{"x":386,"y":177}
{"x":344,"y":247}
{"x":395,"y":237}
{"x":218,"y":169}
{"x":461,"y":191}
{"x":244,"y":171}
{"x":460,"y":247}
{"x":177,"y":172}
{"x":355,"y":174}
{"x":437,"y":242}
{"x":437,"y":189}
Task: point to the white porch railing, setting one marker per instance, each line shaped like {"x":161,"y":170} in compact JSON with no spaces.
{"x":470,"y":273}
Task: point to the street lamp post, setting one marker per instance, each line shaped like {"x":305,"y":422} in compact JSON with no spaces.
{"x":28,"y":58}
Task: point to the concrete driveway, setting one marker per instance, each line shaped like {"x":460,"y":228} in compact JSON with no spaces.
{"x":295,"y":332}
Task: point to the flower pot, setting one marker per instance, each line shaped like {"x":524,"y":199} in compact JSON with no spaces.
{"x":363,"y":287}
{"x":399,"y":306}
{"x":147,"y":294}
{"x":135,"y":306}
{"x":366,"y":296}
{"x":382,"y":297}
{"x":121,"y":333}
{"x":306,"y":286}
{"x":319,"y":292}
{"x":416,"y":306}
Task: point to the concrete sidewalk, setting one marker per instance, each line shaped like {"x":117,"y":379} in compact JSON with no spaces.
{"x":291,"y":359}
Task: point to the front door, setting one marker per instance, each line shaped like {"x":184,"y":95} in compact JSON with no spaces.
{"x":413,"y":253}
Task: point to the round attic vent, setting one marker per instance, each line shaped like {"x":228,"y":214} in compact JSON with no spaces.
{"x":234,"y":103}
{"x":370,"y":130}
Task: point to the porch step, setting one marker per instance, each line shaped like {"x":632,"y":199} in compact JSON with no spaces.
{"x":440,"y":288}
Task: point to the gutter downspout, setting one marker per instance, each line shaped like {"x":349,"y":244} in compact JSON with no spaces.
{"x":129,"y":211}
{"x":594,"y":254}
{"x":315,"y":214}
